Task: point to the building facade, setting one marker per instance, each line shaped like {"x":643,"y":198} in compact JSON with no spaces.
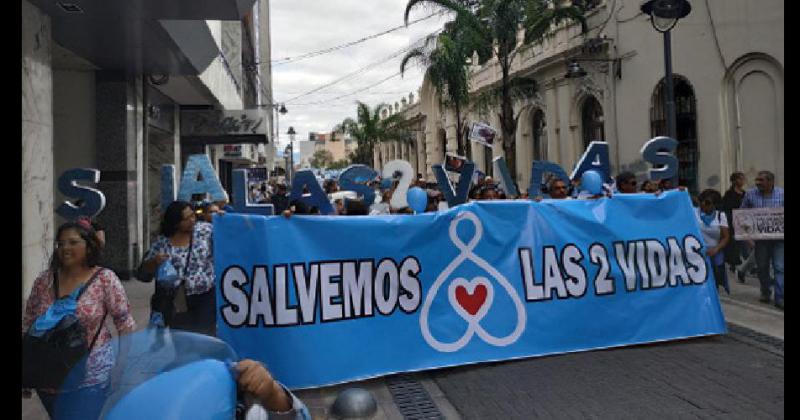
{"x":728,"y":62}
{"x":107,"y":88}
{"x":340,"y":146}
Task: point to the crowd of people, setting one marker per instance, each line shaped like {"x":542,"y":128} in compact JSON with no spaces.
{"x":76,"y":281}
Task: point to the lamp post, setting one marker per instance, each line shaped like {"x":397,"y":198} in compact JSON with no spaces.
{"x":280,"y":109}
{"x":286,"y":153}
{"x":291,"y":134}
{"x":664,"y":14}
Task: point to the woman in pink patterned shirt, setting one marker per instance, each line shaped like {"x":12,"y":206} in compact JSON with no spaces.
{"x":75,"y":262}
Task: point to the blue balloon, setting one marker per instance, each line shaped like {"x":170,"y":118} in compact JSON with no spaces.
{"x":205,"y":389}
{"x":592,"y":182}
{"x":417,"y":199}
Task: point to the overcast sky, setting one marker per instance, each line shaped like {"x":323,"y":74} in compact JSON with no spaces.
{"x":302,"y":26}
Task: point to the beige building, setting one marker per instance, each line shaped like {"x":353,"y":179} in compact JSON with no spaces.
{"x":340,"y":147}
{"x":728,"y":61}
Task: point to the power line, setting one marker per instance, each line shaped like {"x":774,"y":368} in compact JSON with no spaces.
{"x":287,"y":60}
{"x":363,"y":69}
{"x":352,"y":93}
{"x":340,"y":93}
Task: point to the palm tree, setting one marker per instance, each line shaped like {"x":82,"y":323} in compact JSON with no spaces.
{"x":493,"y":26}
{"x":444,"y":57}
{"x":370,"y":130}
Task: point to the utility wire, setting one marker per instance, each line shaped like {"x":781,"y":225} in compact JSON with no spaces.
{"x":352,"y":93}
{"x":363,"y":69}
{"x":287,"y":60}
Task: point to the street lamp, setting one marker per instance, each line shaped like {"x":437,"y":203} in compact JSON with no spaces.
{"x":286,"y":153}
{"x":664,"y":15}
{"x":280,"y":109}
{"x":575,"y":71}
{"x":291,"y":134}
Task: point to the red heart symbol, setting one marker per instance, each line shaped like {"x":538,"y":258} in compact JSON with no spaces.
{"x":471,"y":302}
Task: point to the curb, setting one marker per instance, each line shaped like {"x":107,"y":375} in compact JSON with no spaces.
{"x":750,"y":306}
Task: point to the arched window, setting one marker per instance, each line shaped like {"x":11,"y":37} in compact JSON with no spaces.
{"x":686,"y":128}
{"x":539,"y":134}
{"x":592,"y":121}
{"x":423,"y":156}
{"x":488,"y":154}
{"x":467,"y":143}
{"x":443,"y":142}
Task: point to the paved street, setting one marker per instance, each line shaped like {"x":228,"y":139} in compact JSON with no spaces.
{"x":733,"y":376}
{"x":705,"y":378}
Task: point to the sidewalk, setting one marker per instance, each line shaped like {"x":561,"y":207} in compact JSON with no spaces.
{"x":742,"y":308}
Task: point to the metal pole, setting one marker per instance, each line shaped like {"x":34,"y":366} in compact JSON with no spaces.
{"x":670,"y":92}
{"x":291,"y":158}
{"x":277,"y":129}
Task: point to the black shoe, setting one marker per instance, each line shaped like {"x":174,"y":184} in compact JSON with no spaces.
{"x":779,"y":305}
{"x":740,"y":275}
{"x":765,"y":299}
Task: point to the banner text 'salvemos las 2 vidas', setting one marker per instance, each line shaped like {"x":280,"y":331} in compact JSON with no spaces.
{"x":330,"y":299}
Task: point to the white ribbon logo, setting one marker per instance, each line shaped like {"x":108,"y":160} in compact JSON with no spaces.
{"x":473,"y":299}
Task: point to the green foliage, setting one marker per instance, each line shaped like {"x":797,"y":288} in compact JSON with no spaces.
{"x":490,"y":27}
{"x":445,"y":58}
{"x":369,"y":130}
{"x":321,"y":159}
{"x":339,"y":164}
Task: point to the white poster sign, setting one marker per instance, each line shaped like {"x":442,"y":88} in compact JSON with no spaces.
{"x":483,"y":134}
{"x":758,"y":224}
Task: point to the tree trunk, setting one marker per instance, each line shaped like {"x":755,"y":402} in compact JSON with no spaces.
{"x":459,"y":137}
{"x":508,"y":122}
{"x":380,"y":156}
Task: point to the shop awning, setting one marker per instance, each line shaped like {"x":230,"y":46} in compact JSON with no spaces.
{"x":150,"y":36}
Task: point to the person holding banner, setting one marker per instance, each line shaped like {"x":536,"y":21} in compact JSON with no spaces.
{"x":714,"y":227}
{"x":272,"y":398}
{"x":187,"y":245}
{"x":626,"y":183}
{"x":75,"y":286}
{"x":558,"y":189}
{"x":767,"y":195}
{"x":649,"y":187}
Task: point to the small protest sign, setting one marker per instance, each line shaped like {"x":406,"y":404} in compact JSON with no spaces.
{"x":483,"y":134}
{"x":758,"y":224}
{"x":454,"y":163}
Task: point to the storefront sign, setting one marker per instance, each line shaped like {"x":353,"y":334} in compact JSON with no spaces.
{"x":202,"y":123}
{"x":232,"y":150}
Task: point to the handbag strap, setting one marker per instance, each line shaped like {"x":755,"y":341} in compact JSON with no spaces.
{"x":105,"y":313}
{"x":85,"y":286}
{"x":188,"y":258}
{"x":97,"y":334}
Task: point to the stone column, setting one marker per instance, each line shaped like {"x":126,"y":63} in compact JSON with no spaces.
{"x":524,"y":150}
{"x":452,"y":139}
{"x":37,"y":145}
{"x":419,"y":150}
{"x":119,"y":158}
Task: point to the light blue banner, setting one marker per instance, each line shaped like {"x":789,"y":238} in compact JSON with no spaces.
{"x":330,"y":299}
